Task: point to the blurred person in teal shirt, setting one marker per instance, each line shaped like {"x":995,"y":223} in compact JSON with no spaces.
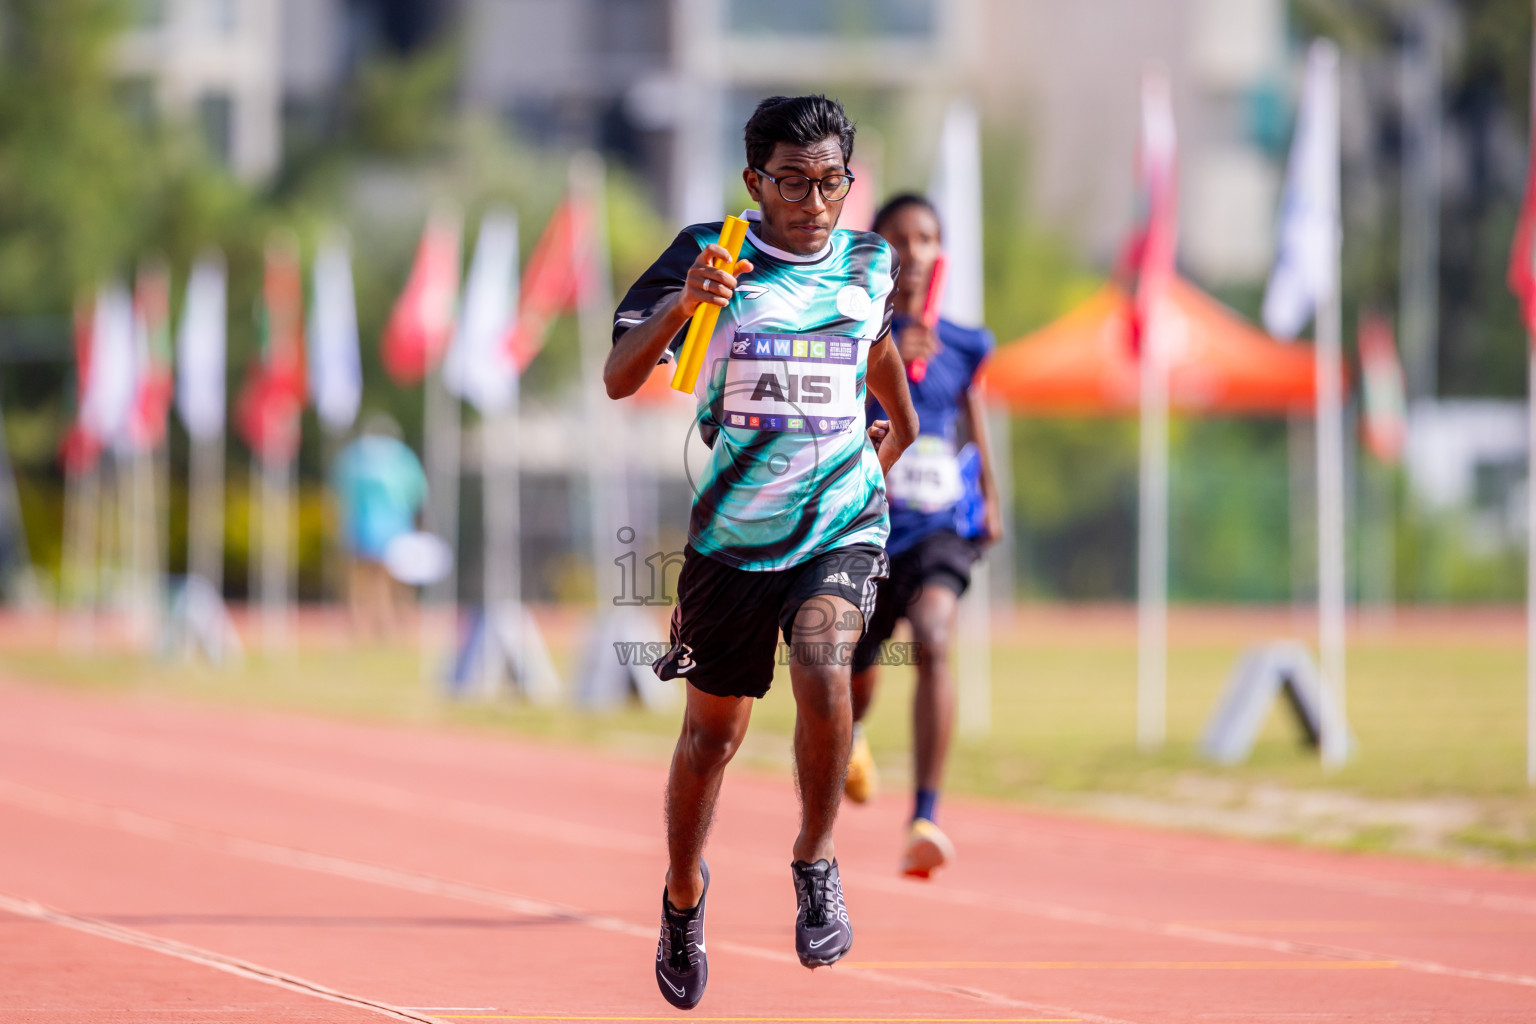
{"x":380,"y":488}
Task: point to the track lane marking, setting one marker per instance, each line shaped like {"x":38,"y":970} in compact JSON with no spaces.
{"x":165,"y":830}
{"x":31,"y":909}
{"x":381,"y":796}
{"x":1125,"y":965}
{"x":102,"y":744}
{"x":270,"y":730}
{"x":1069,"y":845}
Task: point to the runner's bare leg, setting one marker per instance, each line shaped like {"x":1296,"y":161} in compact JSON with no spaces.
{"x":933,"y":615}
{"x":824,"y":633}
{"x":712,"y":731}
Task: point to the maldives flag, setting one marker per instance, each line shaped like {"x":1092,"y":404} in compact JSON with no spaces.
{"x":555,"y":278}
{"x":273,"y":397}
{"x":421,"y":324}
{"x":80,"y":450}
{"x":1382,"y":386}
{"x":1522,"y":254}
{"x":152,"y":347}
{"x":1147,"y":262}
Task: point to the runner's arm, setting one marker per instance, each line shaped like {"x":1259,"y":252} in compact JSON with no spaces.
{"x":636,"y":352}
{"x":976,"y":420}
{"x":886,"y":378}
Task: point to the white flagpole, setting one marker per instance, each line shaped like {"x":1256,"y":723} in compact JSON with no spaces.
{"x":955,"y":188}
{"x":1152,"y":546}
{"x":441,"y":448}
{"x":205,"y":532}
{"x":1530,"y":570}
{"x":1530,"y":525}
{"x":501,"y":530}
{"x":594,"y":326}
{"x":276,"y":476}
{"x":83,"y":518}
{"x":335,"y":381}
{"x":144,"y":547}
{"x":24,"y":577}
{"x":441,"y":445}
{"x":200,"y":400}
{"x":1328,"y":353}
{"x":1152,"y":520}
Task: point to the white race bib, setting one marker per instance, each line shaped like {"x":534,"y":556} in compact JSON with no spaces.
{"x":927,"y":476}
{"x":802,"y":383}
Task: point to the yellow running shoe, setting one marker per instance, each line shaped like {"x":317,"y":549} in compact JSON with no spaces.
{"x":928,"y":849}
{"x":862,"y":781}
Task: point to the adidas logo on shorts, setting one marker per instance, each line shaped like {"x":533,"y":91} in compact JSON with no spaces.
{"x":839,"y":577}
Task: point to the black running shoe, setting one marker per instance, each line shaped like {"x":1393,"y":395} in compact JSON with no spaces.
{"x":822,"y":933}
{"x":682,"y":969}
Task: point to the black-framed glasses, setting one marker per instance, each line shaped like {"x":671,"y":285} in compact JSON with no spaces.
{"x":793,"y":188}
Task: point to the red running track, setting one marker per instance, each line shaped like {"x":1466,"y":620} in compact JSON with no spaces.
{"x":167,"y":862}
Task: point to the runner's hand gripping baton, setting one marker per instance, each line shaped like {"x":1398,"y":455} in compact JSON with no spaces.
{"x":702,"y":327}
{"x":936,"y":281}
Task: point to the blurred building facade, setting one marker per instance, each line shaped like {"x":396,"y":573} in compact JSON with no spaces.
{"x":664,"y":85}
{"x":216,"y":63}
{"x":1068,"y":74}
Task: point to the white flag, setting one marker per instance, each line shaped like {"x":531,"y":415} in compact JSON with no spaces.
{"x":955,"y":190}
{"x":1309,"y":207}
{"x":112,"y":379}
{"x":335,"y":365}
{"x":479,"y":367}
{"x":200,"y":344}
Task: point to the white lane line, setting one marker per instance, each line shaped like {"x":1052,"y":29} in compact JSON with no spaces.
{"x":105,"y":745}
{"x":312,"y":783}
{"x":208,"y":958}
{"x":282,"y":778}
{"x":1146,"y":926}
{"x":381,"y":796}
{"x":1042,"y":834}
{"x":165,"y":830}
{"x":1060,"y":842}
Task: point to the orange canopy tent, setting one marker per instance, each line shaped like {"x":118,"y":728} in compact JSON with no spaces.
{"x":657,"y":389}
{"x":1083,"y":362}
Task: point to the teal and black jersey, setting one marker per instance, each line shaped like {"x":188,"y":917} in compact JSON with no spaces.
{"x":790,"y":472}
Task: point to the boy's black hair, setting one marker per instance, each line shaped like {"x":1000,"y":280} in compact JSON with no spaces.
{"x":798,"y":120}
{"x":900,"y":201}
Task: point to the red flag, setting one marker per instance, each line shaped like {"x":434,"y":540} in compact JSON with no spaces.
{"x":273,"y":397}
{"x":80,"y":449}
{"x":554,"y":280}
{"x":1522,"y":254}
{"x":421,"y":324}
{"x":152,"y":315}
{"x":1381,"y":380}
{"x":1147,"y":262}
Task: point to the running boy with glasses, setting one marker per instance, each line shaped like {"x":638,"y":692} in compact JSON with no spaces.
{"x":789,"y":518}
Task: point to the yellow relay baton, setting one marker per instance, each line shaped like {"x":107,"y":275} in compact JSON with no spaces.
{"x":702,"y":326}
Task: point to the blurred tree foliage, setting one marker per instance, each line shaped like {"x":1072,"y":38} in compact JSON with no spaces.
{"x":1487,"y":85}
{"x":93,"y":179}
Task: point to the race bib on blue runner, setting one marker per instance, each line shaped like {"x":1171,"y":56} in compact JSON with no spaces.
{"x":800,"y":383}
{"x":926,"y":477}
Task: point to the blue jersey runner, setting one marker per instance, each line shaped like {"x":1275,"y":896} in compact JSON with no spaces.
{"x":928,"y":488}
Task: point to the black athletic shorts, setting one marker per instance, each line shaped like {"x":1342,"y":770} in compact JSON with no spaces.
{"x":943,"y":558}
{"x":727,"y":622}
